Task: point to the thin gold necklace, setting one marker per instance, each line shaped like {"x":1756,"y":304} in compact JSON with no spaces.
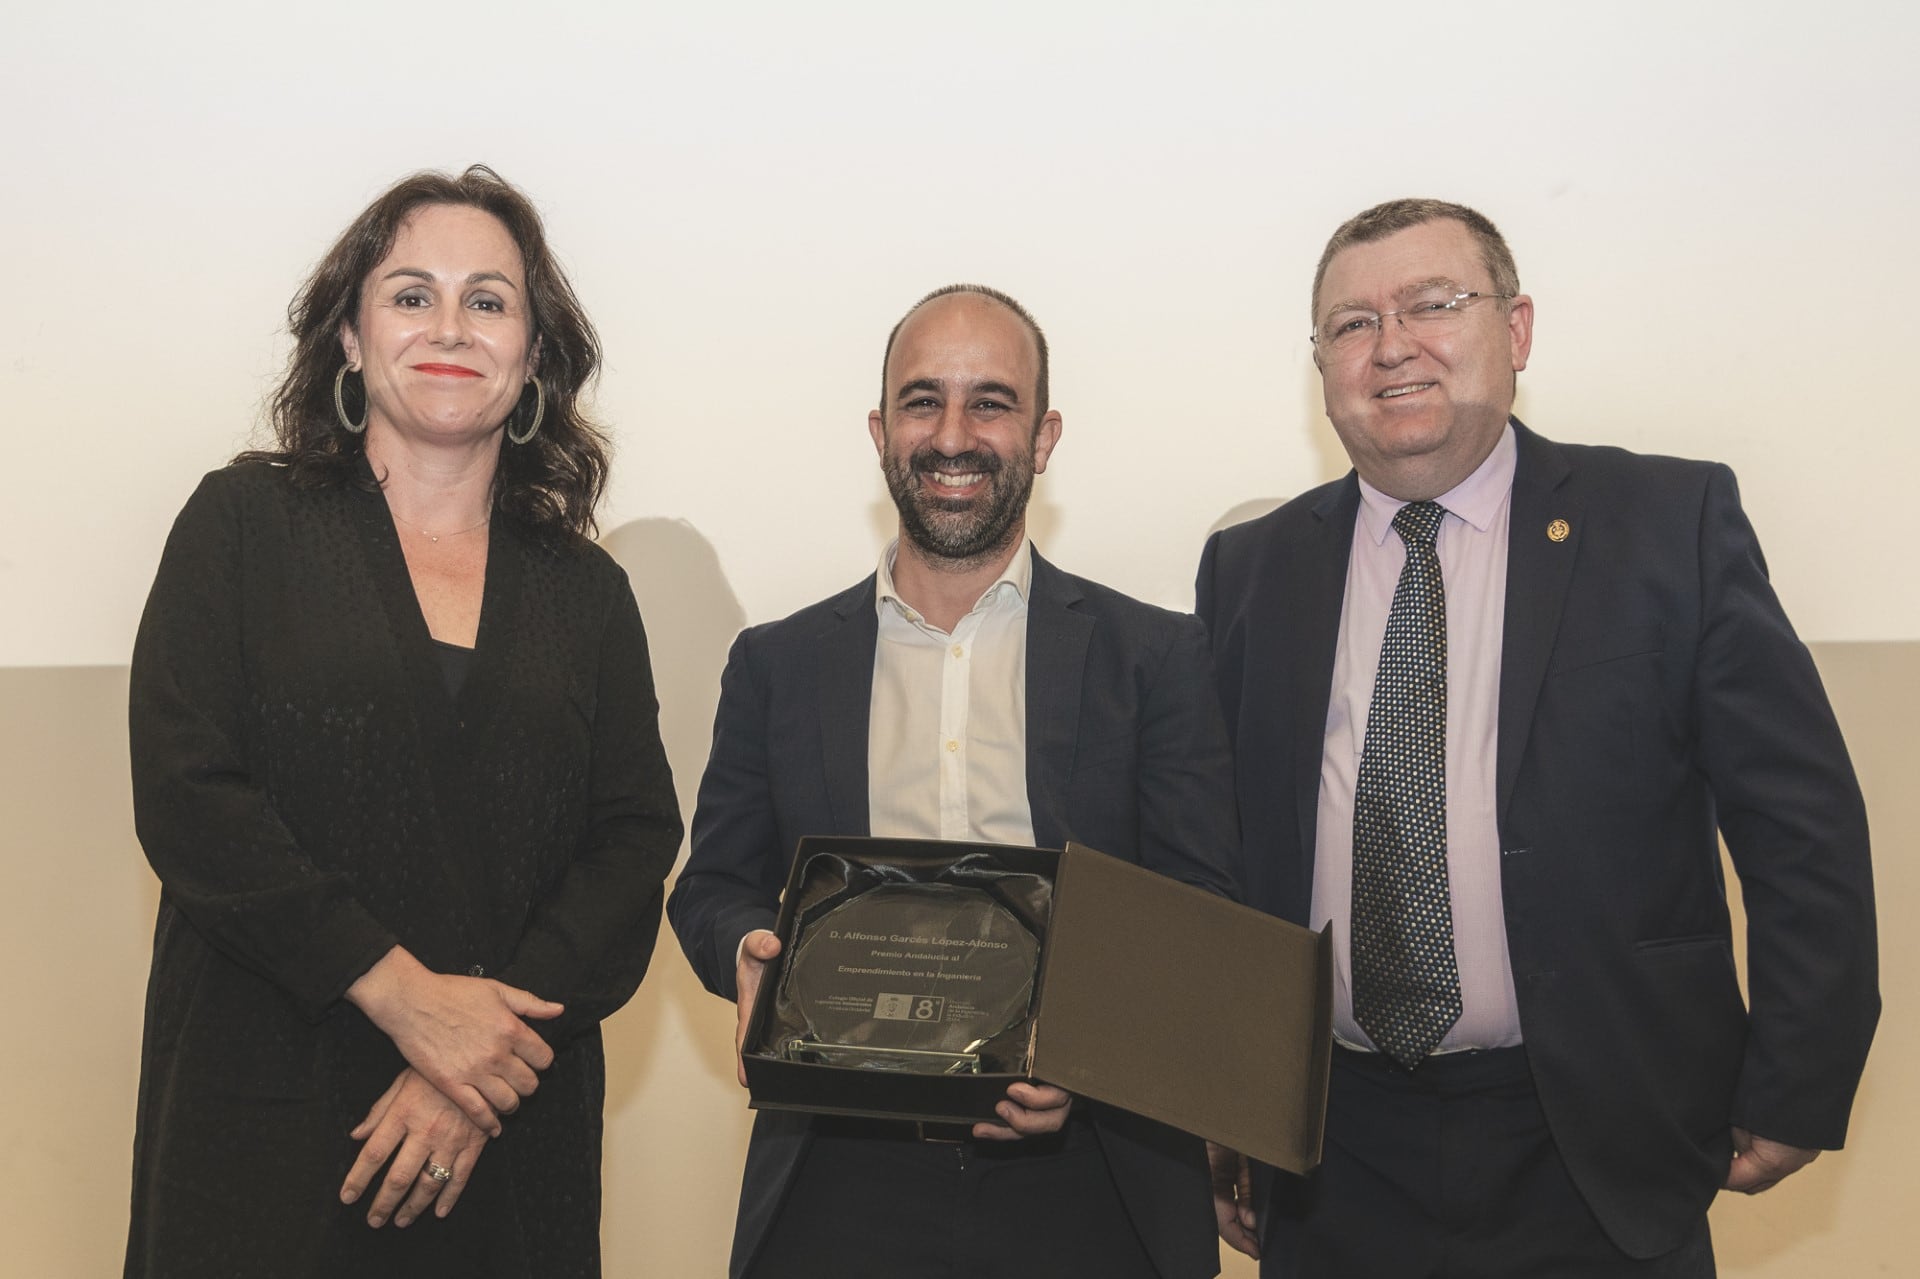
{"x":435,"y":537}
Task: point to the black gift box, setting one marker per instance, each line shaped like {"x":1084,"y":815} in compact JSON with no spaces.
{"x":1152,"y":996}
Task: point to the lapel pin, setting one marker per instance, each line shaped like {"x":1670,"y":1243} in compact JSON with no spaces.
{"x":1558,"y":530}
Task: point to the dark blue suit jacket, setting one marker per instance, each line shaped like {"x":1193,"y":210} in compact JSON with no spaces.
{"x":1125,"y":752}
{"x":1652,"y":697}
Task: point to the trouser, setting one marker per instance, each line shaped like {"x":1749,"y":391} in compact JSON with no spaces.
{"x":872,"y":1199}
{"x":1446,"y":1172}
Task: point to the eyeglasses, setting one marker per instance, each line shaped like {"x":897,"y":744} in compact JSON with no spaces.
{"x":1349,"y":331}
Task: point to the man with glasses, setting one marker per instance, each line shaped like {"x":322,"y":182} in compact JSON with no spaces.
{"x":1494,"y":699}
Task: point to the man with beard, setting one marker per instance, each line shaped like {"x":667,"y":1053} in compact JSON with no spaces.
{"x":966,"y":690}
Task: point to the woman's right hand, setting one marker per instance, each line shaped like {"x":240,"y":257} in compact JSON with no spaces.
{"x":415,"y":1126}
{"x":465,"y":1035}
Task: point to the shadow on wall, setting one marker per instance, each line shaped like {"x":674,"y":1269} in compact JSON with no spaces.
{"x":691,"y":615}
{"x":1251,"y":509}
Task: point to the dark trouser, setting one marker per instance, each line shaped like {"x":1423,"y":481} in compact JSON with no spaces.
{"x":1446,"y":1172}
{"x":872,"y":1200}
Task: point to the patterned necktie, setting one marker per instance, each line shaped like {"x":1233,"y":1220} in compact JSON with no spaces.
{"x":1406,"y":988}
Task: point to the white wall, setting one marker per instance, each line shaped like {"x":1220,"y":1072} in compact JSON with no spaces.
{"x":1710,"y":202}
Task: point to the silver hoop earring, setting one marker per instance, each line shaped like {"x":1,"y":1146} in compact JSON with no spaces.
{"x":340,"y":403}
{"x":539,"y":411}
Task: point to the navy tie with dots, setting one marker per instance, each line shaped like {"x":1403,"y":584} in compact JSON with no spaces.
{"x":1406,"y":987}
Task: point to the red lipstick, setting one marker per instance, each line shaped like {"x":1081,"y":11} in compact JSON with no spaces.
{"x":446,"y":370}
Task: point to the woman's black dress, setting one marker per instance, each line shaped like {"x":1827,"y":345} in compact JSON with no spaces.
{"x":310,"y":794}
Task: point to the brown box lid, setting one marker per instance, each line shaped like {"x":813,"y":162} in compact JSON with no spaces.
{"x":1226,"y":1013}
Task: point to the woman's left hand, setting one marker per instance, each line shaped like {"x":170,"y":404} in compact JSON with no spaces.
{"x":411,"y":1128}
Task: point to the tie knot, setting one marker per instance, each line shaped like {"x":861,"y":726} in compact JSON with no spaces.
{"x":1419,"y":522}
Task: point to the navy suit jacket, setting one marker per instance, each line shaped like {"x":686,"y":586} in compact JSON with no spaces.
{"x":1126,"y":752}
{"x":1652,"y":697}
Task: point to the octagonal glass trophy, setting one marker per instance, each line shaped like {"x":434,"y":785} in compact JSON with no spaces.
{"x":913,"y":977}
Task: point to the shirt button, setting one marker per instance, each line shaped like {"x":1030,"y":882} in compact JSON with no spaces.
{"x":953,"y":745}
{"x":958,"y":651}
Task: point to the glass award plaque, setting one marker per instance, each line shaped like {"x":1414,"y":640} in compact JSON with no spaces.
{"x":909,"y":977}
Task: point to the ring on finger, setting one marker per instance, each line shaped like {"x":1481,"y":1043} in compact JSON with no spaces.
{"x":439,"y":1172}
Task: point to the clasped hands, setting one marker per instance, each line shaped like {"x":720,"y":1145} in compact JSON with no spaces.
{"x":471,"y":1059}
{"x":1028,"y":1110}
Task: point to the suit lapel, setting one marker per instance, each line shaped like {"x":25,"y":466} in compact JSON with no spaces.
{"x":1539,"y":569}
{"x":1317,"y":601}
{"x":844,"y":700}
{"x":1057,"y":639}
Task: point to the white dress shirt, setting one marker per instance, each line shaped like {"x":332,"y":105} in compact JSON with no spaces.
{"x":1472,"y":547}
{"x":947,"y":729}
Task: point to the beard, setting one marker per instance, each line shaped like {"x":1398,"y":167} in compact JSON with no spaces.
{"x":961,"y":530}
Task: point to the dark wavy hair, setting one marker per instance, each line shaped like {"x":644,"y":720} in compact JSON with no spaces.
{"x":553,"y":482}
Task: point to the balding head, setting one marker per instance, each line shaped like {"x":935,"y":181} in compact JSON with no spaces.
{"x":993,"y":296}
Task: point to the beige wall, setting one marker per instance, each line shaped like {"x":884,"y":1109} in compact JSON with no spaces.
{"x":81,"y":910}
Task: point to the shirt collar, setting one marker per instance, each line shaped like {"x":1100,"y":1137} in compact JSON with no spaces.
{"x":1017,"y":575}
{"x":1475,"y":499}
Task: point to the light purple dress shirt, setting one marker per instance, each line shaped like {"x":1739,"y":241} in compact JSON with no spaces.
{"x":1472,"y":547}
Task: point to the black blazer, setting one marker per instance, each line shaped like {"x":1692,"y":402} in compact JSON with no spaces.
{"x":1125,"y":752}
{"x":1652,"y":697}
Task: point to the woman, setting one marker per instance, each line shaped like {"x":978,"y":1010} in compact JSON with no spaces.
{"x":396,"y":763}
